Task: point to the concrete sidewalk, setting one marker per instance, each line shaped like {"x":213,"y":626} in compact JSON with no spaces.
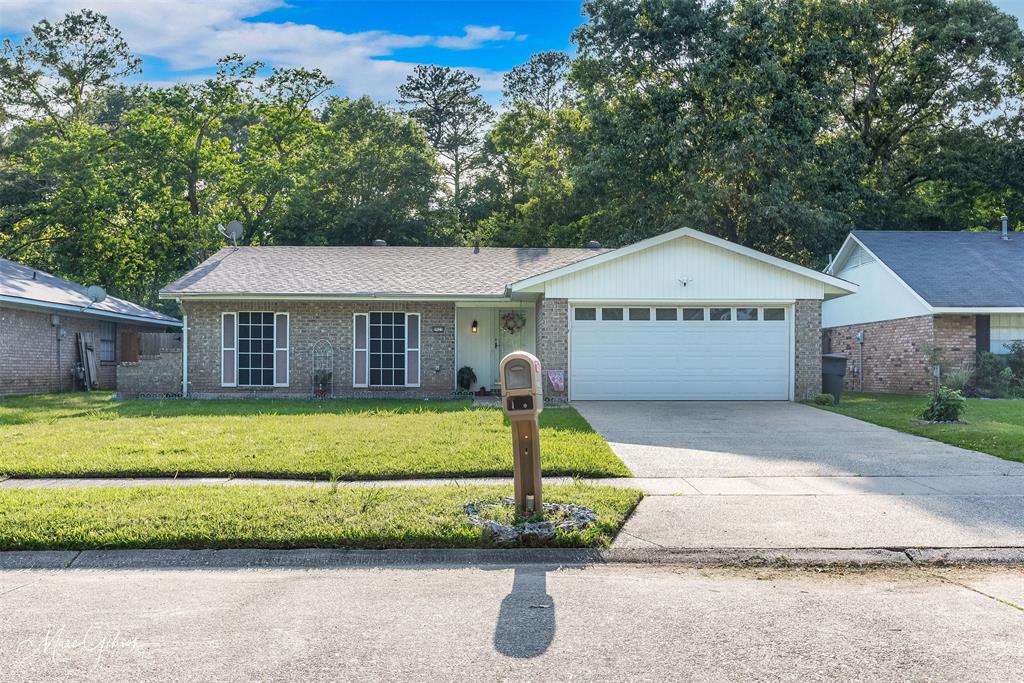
{"x":939,"y":485}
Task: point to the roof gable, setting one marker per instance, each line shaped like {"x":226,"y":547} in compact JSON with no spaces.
{"x":950,"y":269}
{"x":688,"y":254}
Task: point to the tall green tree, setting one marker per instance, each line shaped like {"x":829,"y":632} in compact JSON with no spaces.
{"x":370,"y":174}
{"x":448,"y":104}
{"x":781,"y":125}
{"x":541,"y":83}
{"x":60,"y":72}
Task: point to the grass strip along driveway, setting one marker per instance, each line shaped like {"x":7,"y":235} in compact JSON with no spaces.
{"x":279,"y":517}
{"x":993,"y":426}
{"x":83,"y":435}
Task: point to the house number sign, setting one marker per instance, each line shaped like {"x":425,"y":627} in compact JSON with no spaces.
{"x":438,"y":328}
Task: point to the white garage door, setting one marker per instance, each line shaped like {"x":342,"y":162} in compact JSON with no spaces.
{"x":656,"y":353}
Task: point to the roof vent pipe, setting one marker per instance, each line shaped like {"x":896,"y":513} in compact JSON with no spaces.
{"x":380,"y":243}
{"x":476,"y":246}
{"x":593,"y":244}
{"x":1006,"y":227}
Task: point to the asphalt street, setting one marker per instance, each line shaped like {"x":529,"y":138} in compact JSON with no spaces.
{"x":527,"y":622}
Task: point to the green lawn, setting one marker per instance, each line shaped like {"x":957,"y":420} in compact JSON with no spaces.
{"x":278,"y":516}
{"x":82,"y":435}
{"x":993,"y":426}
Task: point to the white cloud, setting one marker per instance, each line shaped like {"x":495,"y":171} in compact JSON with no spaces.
{"x":193,"y":34}
{"x":476,"y":36}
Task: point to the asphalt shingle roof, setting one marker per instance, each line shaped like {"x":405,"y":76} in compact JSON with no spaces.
{"x":416,"y":271}
{"x":954,"y":269}
{"x":41,"y":288}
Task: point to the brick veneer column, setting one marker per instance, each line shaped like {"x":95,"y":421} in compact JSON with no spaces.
{"x":807,"y":322}
{"x":553,"y":342}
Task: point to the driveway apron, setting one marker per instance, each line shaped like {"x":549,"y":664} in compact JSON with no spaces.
{"x":786,"y":475}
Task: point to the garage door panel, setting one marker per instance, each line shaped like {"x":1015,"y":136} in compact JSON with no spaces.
{"x":680,"y":360}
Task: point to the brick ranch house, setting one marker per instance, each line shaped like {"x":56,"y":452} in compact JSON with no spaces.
{"x":40,"y":316}
{"x":683,"y":315}
{"x":962,"y":292}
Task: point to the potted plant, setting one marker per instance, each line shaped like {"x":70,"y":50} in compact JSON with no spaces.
{"x":466,"y":377}
{"x":322,"y":381}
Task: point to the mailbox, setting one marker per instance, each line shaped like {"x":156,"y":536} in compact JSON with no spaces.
{"x":522,"y":399}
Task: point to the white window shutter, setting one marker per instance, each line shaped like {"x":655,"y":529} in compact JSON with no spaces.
{"x":412,"y":349}
{"x":228,"y":350}
{"x":360,"y":354}
{"x":281,"y":333}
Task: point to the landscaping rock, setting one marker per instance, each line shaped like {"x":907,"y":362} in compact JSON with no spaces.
{"x":532,"y":533}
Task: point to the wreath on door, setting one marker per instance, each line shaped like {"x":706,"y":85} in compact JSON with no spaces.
{"x":512,"y":321}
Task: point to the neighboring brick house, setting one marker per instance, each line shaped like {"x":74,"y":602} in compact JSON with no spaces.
{"x":959,"y":292}
{"x":680,"y":316}
{"x":40,"y":318}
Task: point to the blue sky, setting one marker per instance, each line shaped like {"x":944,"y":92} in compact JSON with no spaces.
{"x":366,"y":46}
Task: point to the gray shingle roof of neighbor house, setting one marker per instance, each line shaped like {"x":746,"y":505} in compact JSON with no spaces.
{"x":31,"y":287}
{"x":369,"y":271}
{"x":954,"y":269}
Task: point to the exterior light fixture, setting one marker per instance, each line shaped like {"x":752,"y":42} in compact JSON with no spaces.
{"x":474,"y":328}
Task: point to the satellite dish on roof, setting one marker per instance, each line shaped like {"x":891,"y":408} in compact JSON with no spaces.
{"x":96,"y":293}
{"x":233,"y":232}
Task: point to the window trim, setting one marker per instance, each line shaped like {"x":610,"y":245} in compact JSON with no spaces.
{"x":405,"y":355}
{"x":364,"y":349}
{"x":286,"y":348}
{"x":418,"y":349}
{"x":112,"y":340}
{"x":233,"y":349}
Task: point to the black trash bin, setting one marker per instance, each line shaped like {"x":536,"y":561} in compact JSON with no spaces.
{"x":833,"y":369}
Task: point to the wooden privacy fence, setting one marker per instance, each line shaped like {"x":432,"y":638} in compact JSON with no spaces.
{"x":135,"y":345}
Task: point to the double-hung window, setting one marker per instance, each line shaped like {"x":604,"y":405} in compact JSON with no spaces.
{"x":108,"y":342}
{"x":255,"y":349}
{"x":386,"y":349}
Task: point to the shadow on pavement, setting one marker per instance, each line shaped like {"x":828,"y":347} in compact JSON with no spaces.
{"x":526,"y":621}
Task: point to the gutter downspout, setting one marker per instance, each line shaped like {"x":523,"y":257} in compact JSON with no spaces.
{"x":184,"y":355}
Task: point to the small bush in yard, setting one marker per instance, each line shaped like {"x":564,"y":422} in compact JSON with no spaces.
{"x":992,"y":375}
{"x":824,"y":400}
{"x":1015,"y":359}
{"x":946,"y":406}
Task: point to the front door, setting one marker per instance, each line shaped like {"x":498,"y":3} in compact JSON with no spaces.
{"x":511,"y":330}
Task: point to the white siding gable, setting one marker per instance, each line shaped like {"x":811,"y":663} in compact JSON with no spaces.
{"x":711,"y":274}
{"x":880,"y":296}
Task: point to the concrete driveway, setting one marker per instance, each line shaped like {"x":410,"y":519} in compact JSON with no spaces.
{"x":786,"y":475}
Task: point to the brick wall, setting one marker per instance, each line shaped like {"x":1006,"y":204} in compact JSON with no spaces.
{"x":553,"y":343}
{"x":894,"y":354}
{"x":309,"y":322}
{"x":895,"y":351}
{"x":29,"y":364}
{"x":807,"y":329}
{"x":150,"y":376}
{"x":955,"y":334}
